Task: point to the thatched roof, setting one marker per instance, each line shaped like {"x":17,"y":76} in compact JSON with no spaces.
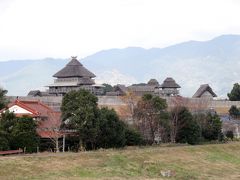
{"x":169,"y":83}
{"x":120,"y":87}
{"x":153,"y":82}
{"x":74,"y":69}
{"x":202,"y":89}
{"x":34,"y":93}
{"x":39,"y":93}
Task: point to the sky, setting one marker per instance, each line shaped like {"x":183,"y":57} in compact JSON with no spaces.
{"x":35,"y":29}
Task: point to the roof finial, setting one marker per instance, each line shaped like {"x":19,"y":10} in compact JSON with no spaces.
{"x":74,"y":57}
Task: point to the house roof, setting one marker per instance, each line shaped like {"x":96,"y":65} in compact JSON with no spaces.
{"x":51,"y":127}
{"x":121,"y":87}
{"x":153,"y":82}
{"x":35,"y":107}
{"x":169,"y":83}
{"x":203,"y":88}
{"x":74,"y":69}
{"x":49,"y":122}
{"x":34,"y":93}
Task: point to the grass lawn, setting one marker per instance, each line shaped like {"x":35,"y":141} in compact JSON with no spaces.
{"x":185,"y":162}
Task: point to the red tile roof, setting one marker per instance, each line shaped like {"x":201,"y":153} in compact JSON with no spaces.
{"x":49,"y":121}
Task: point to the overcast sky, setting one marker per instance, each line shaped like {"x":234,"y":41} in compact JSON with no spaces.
{"x":62,"y":28}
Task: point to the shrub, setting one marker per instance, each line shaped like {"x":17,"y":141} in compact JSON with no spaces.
{"x":133,"y":137}
{"x":230,"y":135}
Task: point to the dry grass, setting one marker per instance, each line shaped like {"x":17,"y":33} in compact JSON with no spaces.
{"x":186,"y":162}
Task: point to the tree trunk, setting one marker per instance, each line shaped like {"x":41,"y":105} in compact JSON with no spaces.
{"x":81,"y":147}
{"x":57,"y":145}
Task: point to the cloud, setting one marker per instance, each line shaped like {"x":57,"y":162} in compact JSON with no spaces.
{"x":43,"y":28}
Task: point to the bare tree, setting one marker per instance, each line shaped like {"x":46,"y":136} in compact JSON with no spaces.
{"x":148,"y":116}
{"x":50,"y":128}
{"x":131,"y":100}
{"x":177,"y":103}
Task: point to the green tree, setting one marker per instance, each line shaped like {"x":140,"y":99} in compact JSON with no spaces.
{"x":4,"y":144}
{"x":234,"y":95}
{"x":190,"y":131}
{"x":212,"y":130}
{"x":107,"y":88}
{"x":234,"y":111}
{"x":112,"y":130}
{"x":230,"y":135}
{"x":7,"y":121}
{"x":133,"y":136}
{"x":80,"y":113}
{"x":3,"y":99}
{"x":24,"y":135}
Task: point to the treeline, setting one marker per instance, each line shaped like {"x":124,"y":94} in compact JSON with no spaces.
{"x":153,"y":122}
{"x":92,"y":127}
{"x":95,"y":127}
{"x":158,"y":123}
{"x":18,"y":132}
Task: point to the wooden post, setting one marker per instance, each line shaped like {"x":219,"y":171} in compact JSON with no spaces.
{"x":64,"y":143}
{"x":57,"y":145}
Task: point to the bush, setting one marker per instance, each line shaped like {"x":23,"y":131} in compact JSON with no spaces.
{"x":230,"y":135}
{"x":133,"y":137}
{"x":234,"y":111}
{"x":111,"y":130}
{"x":190,"y":132}
{"x":24,"y":135}
{"x":212,"y":129}
{"x":4,"y":145}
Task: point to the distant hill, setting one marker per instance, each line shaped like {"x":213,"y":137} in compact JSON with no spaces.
{"x":192,"y":63}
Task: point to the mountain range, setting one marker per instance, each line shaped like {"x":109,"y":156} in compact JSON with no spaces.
{"x":215,"y":62}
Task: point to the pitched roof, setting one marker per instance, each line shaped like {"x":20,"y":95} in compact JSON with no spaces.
{"x":51,"y":127}
{"x":50,"y":121}
{"x":37,"y":108}
{"x":153,"y":82}
{"x":169,"y":83}
{"x":203,"y":88}
{"x":34,"y":93}
{"x":74,"y":69}
{"x":121,"y":87}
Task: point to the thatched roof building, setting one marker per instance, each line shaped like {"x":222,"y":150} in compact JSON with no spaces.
{"x":169,"y":83}
{"x":169,"y":87}
{"x":74,"y":69}
{"x":153,"y":82}
{"x":204,"y":91}
{"x":74,"y":76}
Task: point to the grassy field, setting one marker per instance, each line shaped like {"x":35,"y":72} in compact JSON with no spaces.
{"x":185,"y":162}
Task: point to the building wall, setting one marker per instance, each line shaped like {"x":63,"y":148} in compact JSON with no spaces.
{"x":207,"y":94}
{"x":18,"y":110}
